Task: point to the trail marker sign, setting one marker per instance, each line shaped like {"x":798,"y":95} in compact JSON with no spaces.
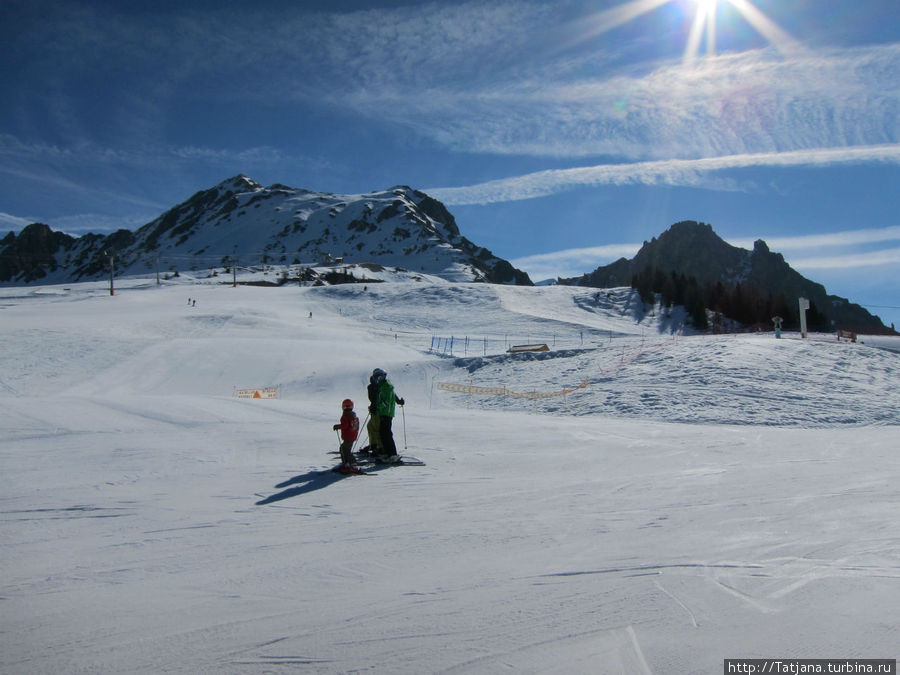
{"x":804,"y":305}
{"x":265,"y":392}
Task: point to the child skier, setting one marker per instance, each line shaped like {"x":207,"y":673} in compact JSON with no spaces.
{"x":349,"y":426}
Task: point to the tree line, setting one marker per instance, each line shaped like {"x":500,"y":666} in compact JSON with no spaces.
{"x":744,"y":303}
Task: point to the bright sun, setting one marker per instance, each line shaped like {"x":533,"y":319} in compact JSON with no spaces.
{"x":703,"y":25}
{"x":705,"y":18}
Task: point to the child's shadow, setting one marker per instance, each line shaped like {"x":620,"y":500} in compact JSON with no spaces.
{"x":307,"y":482}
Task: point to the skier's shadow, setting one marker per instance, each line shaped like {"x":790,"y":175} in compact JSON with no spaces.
{"x":302,"y":484}
{"x":299,"y":485}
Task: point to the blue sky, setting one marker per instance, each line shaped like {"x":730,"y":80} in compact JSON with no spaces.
{"x":561,"y":134}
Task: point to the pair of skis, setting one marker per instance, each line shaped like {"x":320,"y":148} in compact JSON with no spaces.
{"x":402,"y":460}
{"x":369,"y":462}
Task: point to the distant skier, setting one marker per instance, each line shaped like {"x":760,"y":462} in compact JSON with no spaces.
{"x":349,"y":426}
{"x":386,"y":406}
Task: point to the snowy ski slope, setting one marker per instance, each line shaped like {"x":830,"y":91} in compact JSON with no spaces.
{"x":702,"y":498}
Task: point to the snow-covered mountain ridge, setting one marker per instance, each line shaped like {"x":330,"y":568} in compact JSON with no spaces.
{"x":240,"y":222}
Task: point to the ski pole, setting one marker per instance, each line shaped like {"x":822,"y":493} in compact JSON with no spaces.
{"x":403,"y":410}
{"x":361,"y":428}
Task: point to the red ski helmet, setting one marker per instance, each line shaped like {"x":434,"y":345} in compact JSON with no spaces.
{"x":347,"y":404}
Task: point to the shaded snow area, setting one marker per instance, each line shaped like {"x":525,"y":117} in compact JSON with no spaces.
{"x":697,"y":498}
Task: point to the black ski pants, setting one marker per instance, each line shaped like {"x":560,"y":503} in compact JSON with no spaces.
{"x":388,"y":447}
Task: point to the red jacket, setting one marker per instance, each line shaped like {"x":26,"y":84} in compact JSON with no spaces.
{"x":349,"y":426}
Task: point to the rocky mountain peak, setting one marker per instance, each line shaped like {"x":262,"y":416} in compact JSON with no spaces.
{"x":240,"y":220}
{"x":693,"y":251}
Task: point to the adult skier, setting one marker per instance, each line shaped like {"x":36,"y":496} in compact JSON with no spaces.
{"x":373,"y":426}
{"x":386,"y":406}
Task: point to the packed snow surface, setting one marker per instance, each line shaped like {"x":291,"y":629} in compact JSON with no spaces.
{"x":692,"y":498}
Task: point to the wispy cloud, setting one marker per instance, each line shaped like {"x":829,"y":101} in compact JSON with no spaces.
{"x":90,"y":173}
{"x":814,"y":241}
{"x":15,"y":222}
{"x":13,"y":150}
{"x":49,"y":178}
{"x":749,"y":103}
{"x":850,"y":260}
{"x":848,"y":249}
{"x":572,"y":262}
{"x":681,"y":172}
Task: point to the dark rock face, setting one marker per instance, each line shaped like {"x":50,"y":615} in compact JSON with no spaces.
{"x":729,"y":279}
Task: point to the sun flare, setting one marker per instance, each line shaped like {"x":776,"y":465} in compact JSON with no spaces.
{"x":705,"y":18}
{"x":703,"y":25}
